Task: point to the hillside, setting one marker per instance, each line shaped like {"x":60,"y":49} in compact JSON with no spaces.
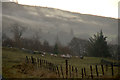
{"x":54,"y":21}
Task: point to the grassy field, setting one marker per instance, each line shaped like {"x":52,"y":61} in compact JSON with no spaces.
{"x":13,"y":63}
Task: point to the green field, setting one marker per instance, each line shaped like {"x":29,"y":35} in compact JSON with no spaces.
{"x":14,"y":61}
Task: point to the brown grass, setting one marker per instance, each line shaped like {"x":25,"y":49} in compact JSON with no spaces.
{"x":27,"y":71}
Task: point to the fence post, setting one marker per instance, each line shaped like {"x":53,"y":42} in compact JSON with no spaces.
{"x":62,"y":71}
{"x":46,"y":63}
{"x":76,"y":72}
{"x":84,"y":71}
{"x":91,"y":71}
{"x":66,"y":68}
{"x":50,"y":65}
{"x":58,"y":71}
{"x":40,"y":62}
{"x":70,"y":70}
{"x":53,"y":67}
{"x":102,"y":69}
{"x":96,"y":70}
{"x":27,"y":59}
{"x":32,"y":59}
{"x":112,"y":69}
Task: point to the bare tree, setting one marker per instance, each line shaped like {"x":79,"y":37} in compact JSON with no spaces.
{"x":17,"y":31}
{"x":6,"y":41}
{"x":46,"y":46}
{"x":36,"y":39}
{"x":78,"y":46}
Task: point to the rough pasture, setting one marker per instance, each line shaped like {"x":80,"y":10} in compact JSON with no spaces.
{"x":13,"y":57}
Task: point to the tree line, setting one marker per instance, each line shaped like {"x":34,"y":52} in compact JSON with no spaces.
{"x":95,"y":46}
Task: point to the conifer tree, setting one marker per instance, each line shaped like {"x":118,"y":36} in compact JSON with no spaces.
{"x":98,"y":46}
{"x":56,"y":49}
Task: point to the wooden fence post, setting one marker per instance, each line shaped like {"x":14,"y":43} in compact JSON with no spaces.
{"x":84,"y":71}
{"x":53,"y":67}
{"x":102,"y":69}
{"x":66,"y":68}
{"x":62,"y":71}
{"x":112,"y":69}
{"x":50,"y":65}
{"x":58,"y":71}
{"x":91,"y":71}
{"x":27,"y":59}
{"x":44,"y":63}
{"x":76,"y":72}
{"x":32,"y":59}
{"x":96,"y":70}
{"x":70,"y":70}
{"x":40,"y":62}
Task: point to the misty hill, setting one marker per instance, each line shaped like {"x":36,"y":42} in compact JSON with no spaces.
{"x":53,"y":22}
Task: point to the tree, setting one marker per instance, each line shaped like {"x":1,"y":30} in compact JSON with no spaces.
{"x":17,"y":31}
{"x":57,"y":45}
{"x":6,"y":41}
{"x":36,"y":39}
{"x":46,"y":46}
{"x":78,"y":46}
{"x":56,"y":49}
{"x":113,"y":49}
{"x":98,"y":46}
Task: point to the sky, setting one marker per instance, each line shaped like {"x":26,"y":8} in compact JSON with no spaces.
{"x":107,"y":8}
